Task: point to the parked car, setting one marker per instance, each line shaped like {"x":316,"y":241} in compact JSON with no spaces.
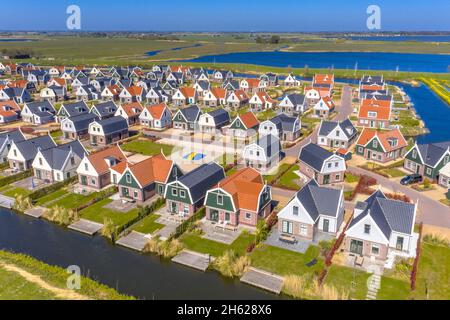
{"x":410,"y":179}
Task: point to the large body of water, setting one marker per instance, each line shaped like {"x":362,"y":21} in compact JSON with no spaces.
{"x":411,"y":62}
{"x":143,"y":276}
{"x":417,"y":38}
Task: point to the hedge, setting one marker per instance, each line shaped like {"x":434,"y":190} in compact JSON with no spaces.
{"x":200,"y":214}
{"x":15,"y":177}
{"x":99,"y":197}
{"x":51,"y":188}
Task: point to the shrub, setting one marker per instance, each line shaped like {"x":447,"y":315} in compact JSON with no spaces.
{"x":22,"y":203}
{"x":262,"y":231}
{"x":167,"y":249}
{"x":231,"y":265}
{"x":109,"y":229}
{"x":15,"y":177}
{"x":436,"y":240}
{"x":325,"y":246}
{"x":51,"y":188}
{"x":61,"y":215}
{"x":200,"y":214}
{"x":251,"y":247}
{"x":295,"y":286}
{"x":327,"y":292}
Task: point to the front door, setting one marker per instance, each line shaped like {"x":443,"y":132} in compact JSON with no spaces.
{"x":399,"y":245}
{"x":287,"y":227}
{"x":173,"y":207}
{"x":125,"y":192}
{"x":356,"y":247}
{"x":38,"y":174}
{"x":83,"y":180}
{"x":326,"y":179}
{"x":94,"y":140}
{"x":214,"y":215}
{"x":326,"y":225}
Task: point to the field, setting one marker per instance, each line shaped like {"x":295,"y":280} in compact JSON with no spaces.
{"x":147,"y":147}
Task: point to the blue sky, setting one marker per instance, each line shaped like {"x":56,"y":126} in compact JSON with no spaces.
{"x":226,"y":15}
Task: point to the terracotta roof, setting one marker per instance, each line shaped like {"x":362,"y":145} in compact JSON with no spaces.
{"x":59,"y":81}
{"x":253,"y":82}
{"x":324,"y":78}
{"x":17,"y":84}
{"x":132,"y":109}
{"x":219,"y":93}
{"x":249,"y":119}
{"x":372,"y":87}
{"x":156,"y":168}
{"x":323,"y":91}
{"x":384,"y":137}
{"x":381,"y":107}
{"x":115,"y":89}
{"x":10,"y":103}
{"x":135,"y":90}
{"x":328,"y":101}
{"x":264,"y":96}
{"x":157,"y":110}
{"x":241,"y":95}
{"x":120,"y":167}
{"x":244,"y":186}
{"x":98,"y":159}
{"x":188,"y":92}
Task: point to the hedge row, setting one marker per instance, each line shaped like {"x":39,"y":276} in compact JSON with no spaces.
{"x":15,"y":177}
{"x":99,"y":197}
{"x":51,"y":188}
{"x":200,"y":214}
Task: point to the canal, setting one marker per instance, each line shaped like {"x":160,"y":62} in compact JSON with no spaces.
{"x":141,"y":275}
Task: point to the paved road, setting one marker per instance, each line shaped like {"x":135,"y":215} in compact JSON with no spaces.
{"x":430,"y":211}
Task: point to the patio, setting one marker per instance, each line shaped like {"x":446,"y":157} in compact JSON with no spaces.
{"x":301,"y":245}
{"x":31,"y":184}
{"x":121,"y":205}
{"x":216,"y":232}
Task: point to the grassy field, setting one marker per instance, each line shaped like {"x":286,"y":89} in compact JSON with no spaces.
{"x":72,"y":200}
{"x":438,"y":87}
{"x":197,"y":243}
{"x":350,"y":178}
{"x":97,"y":213}
{"x":290,"y":179}
{"x":148,"y":225}
{"x":147,"y":147}
{"x":11,"y":191}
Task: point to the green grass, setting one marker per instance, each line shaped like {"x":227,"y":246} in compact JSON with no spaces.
{"x":15,"y":191}
{"x":281,"y":168}
{"x":97,"y":213}
{"x":50,"y":197}
{"x":147,"y":147}
{"x":148,"y":225}
{"x":197,"y":243}
{"x":433,"y":273}
{"x":290,"y":178}
{"x":73,"y":200}
{"x":393,"y":289}
{"x":286,"y":262}
{"x":351,"y":280}
{"x":351,"y":178}
{"x":394,"y":173}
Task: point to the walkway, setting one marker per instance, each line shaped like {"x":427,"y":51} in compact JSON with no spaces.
{"x":6,"y":202}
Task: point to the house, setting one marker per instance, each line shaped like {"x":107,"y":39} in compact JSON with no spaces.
{"x":428,"y":159}
{"x":19,"y":95}
{"x":336,"y":134}
{"x":270,"y":78}
{"x":130,"y":111}
{"x":110,"y":93}
{"x":156,"y":116}
{"x":375,"y":113}
{"x":323,"y":80}
{"x":293,"y":104}
{"x":187,"y":118}
{"x":291,"y":81}
{"x":9,"y":111}
{"x":22,"y":153}
{"x":72,"y":110}
{"x":38,"y":112}
{"x":184,"y":96}
{"x":237,"y":99}
{"x":78,"y":82}
{"x":214,"y":97}
{"x":222,"y":75}
{"x":212,"y":121}
{"x":381,"y":146}
{"x":264,"y":154}
{"x":261,"y":101}
{"x":322,"y":165}
{"x":54,"y":94}
{"x":282,"y":126}
{"x":170,"y":87}
{"x":87,"y":92}
{"x":381,"y":228}
{"x":94,"y":170}
{"x":132,"y":94}
{"x":307,"y":215}
{"x":370,"y":84}
{"x":324,"y":107}
{"x":243,"y":126}
{"x":177,"y":77}
{"x":156,"y":95}
{"x":57,"y":82}
{"x":39,"y":77}
{"x":6,"y":140}
{"x":240,"y":199}
{"x":104,"y":110}
{"x":313,"y":94}
{"x":252,"y":85}
{"x":107,"y":131}
{"x":58,"y":163}
{"x":141,"y":181}
{"x":444,"y":176}
{"x":231,"y":85}
{"x":186,"y":195}
{"x":201,"y":87}
{"x":77,"y":127}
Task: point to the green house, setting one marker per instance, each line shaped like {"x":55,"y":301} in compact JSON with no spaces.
{"x":428,"y":159}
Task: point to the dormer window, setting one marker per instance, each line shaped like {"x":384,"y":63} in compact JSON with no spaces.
{"x":367,"y":228}
{"x":86,"y":166}
{"x":40,"y":161}
{"x":128,"y":178}
{"x":337,"y":133}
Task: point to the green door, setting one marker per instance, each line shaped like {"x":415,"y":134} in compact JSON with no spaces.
{"x":173,"y":207}
{"x":125,"y":192}
{"x":214,"y":215}
{"x":356,"y":247}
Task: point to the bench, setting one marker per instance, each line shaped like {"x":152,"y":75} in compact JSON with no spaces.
{"x":288,"y":238}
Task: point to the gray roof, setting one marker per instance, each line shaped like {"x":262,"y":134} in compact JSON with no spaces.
{"x":432,"y":152}
{"x":221,"y":116}
{"x":191,"y":113}
{"x":372,"y":80}
{"x":29,"y":148}
{"x":205,"y":85}
{"x":57,"y":156}
{"x":11,"y":136}
{"x":75,"y":108}
{"x":284,"y":122}
{"x":314,"y":155}
{"x":234,"y":84}
{"x":379,"y":96}
{"x":82,"y":121}
{"x":270,"y":144}
{"x":200,"y":180}
{"x":113,"y":124}
{"x":41,"y":108}
{"x":105,"y":109}
{"x":312,"y":196}
{"x":14,"y":92}
{"x":346,"y":126}
{"x":296,"y":98}
{"x":390,"y":215}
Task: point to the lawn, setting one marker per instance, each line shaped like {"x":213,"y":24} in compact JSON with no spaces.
{"x":394,"y":173}
{"x":351,"y":178}
{"x":148,"y":225}
{"x":147,"y":147}
{"x":97,"y":213}
{"x":290,"y":179}
{"x":15,"y":191}
{"x":351,"y":280}
{"x":50,"y":197}
{"x":197,"y":243}
{"x":286,"y":262}
{"x":281,"y":168}
{"x":393,"y":289}
{"x":433,"y":274}
{"x":73,"y":200}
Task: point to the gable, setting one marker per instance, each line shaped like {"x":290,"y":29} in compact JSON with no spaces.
{"x":174,"y":191}
{"x":414,"y":155}
{"x":238,"y":124}
{"x":211,"y":200}
{"x":127,"y":179}
{"x":357,"y":231}
{"x":288,"y":212}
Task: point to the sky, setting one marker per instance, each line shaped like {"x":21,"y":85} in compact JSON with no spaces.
{"x":226,"y":15}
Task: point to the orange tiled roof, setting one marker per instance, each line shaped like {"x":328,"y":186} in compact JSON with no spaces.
{"x":384,"y":137}
{"x":253,"y":82}
{"x":98,"y":159}
{"x":381,"y":107}
{"x":219,"y":93}
{"x":156,"y":168}
{"x":264,"y":96}
{"x":328,"y":101}
{"x":120,"y":167}
{"x":115,"y":89}
{"x":59,"y":81}
{"x":249,"y":119}
{"x":188,"y":92}
{"x":324,"y":78}
{"x":132,"y":109}
{"x":372,"y":87}
{"x":135,"y":90}
{"x":241,"y":95}
{"x":157,"y":110}
{"x":244,"y":186}
{"x":17,"y":84}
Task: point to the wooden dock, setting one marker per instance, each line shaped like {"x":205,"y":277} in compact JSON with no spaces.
{"x":7,"y":202}
{"x":35,"y":212}
{"x":86,"y":227}
{"x":193,"y":259}
{"x":264,"y":280}
{"x":134,"y":240}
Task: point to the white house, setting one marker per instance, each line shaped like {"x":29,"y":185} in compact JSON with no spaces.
{"x":264,"y":154}
{"x":156,"y":116}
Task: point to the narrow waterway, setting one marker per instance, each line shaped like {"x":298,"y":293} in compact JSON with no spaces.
{"x":143,"y":276}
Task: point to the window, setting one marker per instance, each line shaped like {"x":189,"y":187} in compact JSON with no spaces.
{"x":40,"y":161}
{"x":303,"y":229}
{"x":446,"y":160}
{"x":367,"y":228}
{"x":287,"y":227}
{"x":338,"y":177}
{"x":360,"y":149}
{"x":174,"y":192}
{"x":429,"y":171}
{"x":375,"y":249}
{"x":219,"y":199}
{"x":336,"y":164}
{"x":15,"y":153}
{"x":337,"y":133}
{"x":375,"y":144}
{"x":72,"y":161}
{"x":182,"y":193}
{"x":135,"y":194}
{"x":295,"y":210}
{"x":248,"y":216}
{"x":86,"y":166}
{"x":128,"y":178}
{"x":329,"y":165}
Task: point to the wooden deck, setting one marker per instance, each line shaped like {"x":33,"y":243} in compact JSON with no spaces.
{"x":35,"y":212}
{"x":86,"y":227}
{"x":6,"y":202}
{"x":193,"y":259}
{"x":264,"y":280}
{"x":134,"y":240}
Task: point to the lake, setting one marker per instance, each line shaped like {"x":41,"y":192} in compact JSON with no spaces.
{"x":143,"y":276}
{"x":412,"y":62}
{"x":417,"y":38}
